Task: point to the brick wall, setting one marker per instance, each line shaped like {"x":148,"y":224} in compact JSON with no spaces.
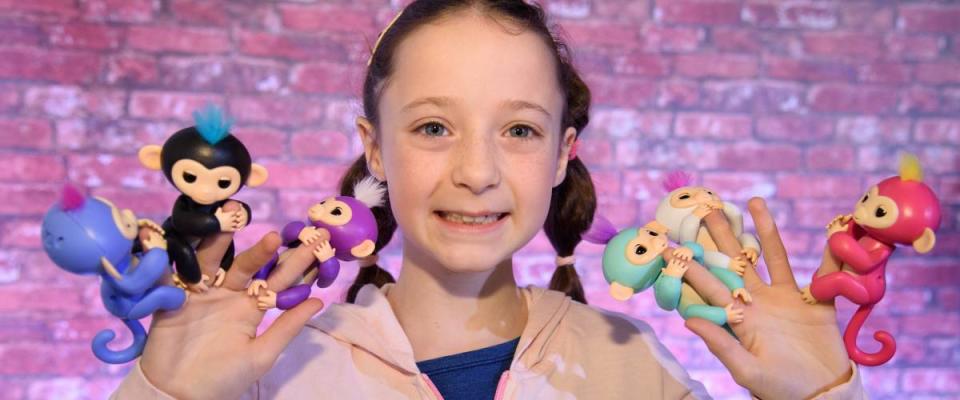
{"x":802,"y":102}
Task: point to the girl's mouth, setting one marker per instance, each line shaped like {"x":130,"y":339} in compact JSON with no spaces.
{"x":481,"y":222}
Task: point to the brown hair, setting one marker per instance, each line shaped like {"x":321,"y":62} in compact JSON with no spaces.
{"x":573,"y":201}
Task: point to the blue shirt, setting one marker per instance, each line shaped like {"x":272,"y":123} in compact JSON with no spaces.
{"x":472,"y":375}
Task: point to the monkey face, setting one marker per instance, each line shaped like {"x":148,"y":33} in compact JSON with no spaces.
{"x":647,"y":245}
{"x":692,"y":196}
{"x":875,"y":210}
{"x":203,"y":185}
{"x":331,"y":212}
{"x":125,"y":220}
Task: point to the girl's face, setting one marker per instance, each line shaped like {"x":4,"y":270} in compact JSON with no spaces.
{"x":469,"y":140}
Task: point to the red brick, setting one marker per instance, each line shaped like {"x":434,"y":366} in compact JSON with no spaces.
{"x":623,"y":92}
{"x":678,"y":94}
{"x":807,"y":70}
{"x":47,"y":358}
{"x":818,"y":186}
{"x":595,"y":152}
{"x":25,"y":133}
{"x":619,"y":123}
{"x":327,"y":78}
{"x":132,"y":69}
{"x":929,"y":18}
{"x":939,"y":159}
{"x":915,"y":273}
{"x":913,"y":47}
{"x":172,"y":105}
{"x":715,"y":12}
{"x":178,"y":39}
{"x":85,"y":36}
{"x":643,"y":184}
{"x":941,"y":72}
{"x":291,"y":47}
{"x":932,"y":323}
{"x":110,"y":170}
{"x":735,"y":40}
{"x":20,"y":35}
{"x":71,"y":101}
{"x":950,"y":100}
{"x":21,"y":233}
{"x":656,"y":38}
{"x":830,"y":157}
{"x":795,"y":128}
{"x":739,"y":186}
{"x":712,"y":126}
{"x":572,"y":9}
{"x":325,"y":17}
{"x":716,"y":65}
{"x":852,"y":99}
{"x":249,"y":76}
{"x":761,"y":14}
{"x":884,"y":73}
{"x":207,"y":13}
{"x":608,"y":183}
{"x":918,"y":99}
{"x":62,"y":8}
{"x":815,"y":214}
{"x":31,"y":168}
{"x":643,"y":64}
{"x":319,"y":177}
{"x":320,"y":144}
{"x":66,"y":387}
{"x":942,"y":131}
{"x":948,"y":299}
{"x":263,"y":142}
{"x":781,"y":97}
{"x":54,"y":65}
{"x":586,"y":33}
{"x":281,"y":111}
{"x":842,"y":45}
{"x":863,"y":16}
{"x":153,"y":202}
{"x":869,"y":130}
{"x":118,"y":10}
{"x":620,"y":9}
{"x":730,"y":96}
{"x":752,"y":156}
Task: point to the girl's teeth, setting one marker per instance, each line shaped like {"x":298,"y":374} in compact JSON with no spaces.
{"x":466,"y":219}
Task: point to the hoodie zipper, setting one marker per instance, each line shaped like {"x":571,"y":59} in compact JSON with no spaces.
{"x":501,"y":386}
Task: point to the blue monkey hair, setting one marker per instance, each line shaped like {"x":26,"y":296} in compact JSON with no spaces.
{"x":212,"y":124}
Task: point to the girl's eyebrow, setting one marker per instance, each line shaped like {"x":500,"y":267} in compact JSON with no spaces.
{"x":444,"y":101}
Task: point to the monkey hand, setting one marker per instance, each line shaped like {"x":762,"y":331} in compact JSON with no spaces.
{"x":836,"y":227}
{"x":201,"y":286}
{"x":738,"y":265}
{"x":150,"y":225}
{"x":324,"y":251}
{"x":154,"y":240}
{"x":676,"y":268}
{"x":742,"y":294}
{"x":255,"y":286}
{"x":228,"y":219}
{"x":308,"y":235}
{"x":734,"y":314}
{"x":620,"y":292}
{"x":243,"y":218}
{"x":807,"y":296}
{"x":751,"y":254}
{"x":683,"y":253}
{"x":702,"y":210}
{"x":715,"y":204}
{"x":218,"y":279}
{"x":267,"y":300}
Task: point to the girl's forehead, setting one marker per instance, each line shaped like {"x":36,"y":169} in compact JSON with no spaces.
{"x":474,"y":57}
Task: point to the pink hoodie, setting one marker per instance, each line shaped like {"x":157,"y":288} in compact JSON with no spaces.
{"x":567,"y":351}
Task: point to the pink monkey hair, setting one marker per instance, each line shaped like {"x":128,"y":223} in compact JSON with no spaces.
{"x":71,"y":199}
{"x":676,"y":180}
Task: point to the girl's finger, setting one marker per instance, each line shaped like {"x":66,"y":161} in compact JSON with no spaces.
{"x":211,"y":250}
{"x":707,"y":285}
{"x":720,"y":230}
{"x":249,"y":262}
{"x":739,"y":361}
{"x":287,"y":326}
{"x":290,"y":269}
{"x":774,"y":254}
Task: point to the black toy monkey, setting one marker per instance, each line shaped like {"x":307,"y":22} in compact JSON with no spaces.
{"x":207,"y":165}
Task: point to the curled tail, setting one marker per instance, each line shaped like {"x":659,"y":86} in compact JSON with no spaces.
{"x":106,"y":355}
{"x":887,"y":348}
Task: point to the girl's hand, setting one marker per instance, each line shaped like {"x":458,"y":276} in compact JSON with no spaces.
{"x":788,"y":349}
{"x":209,"y":348}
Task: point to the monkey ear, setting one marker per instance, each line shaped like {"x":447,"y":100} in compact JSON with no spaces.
{"x":925,"y":242}
{"x":150,"y":156}
{"x":258,"y":175}
{"x":363,"y":249}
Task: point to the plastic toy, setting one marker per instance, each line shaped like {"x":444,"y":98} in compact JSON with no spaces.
{"x":634,"y":260}
{"x":689,"y":214}
{"x":89,"y":235}
{"x":346,"y":229}
{"x":207,"y":165}
{"x":898,"y":210}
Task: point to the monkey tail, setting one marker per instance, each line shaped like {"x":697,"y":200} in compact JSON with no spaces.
{"x":887,"y":345}
{"x":133,"y":351}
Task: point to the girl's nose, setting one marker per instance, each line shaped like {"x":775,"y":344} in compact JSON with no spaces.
{"x":475,"y":165}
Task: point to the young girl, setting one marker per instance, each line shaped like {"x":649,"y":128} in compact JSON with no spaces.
{"x":472,"y":110}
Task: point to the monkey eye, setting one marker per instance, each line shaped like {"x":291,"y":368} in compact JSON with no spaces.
{"x":880,"y":212}
{"x":189,"y":178}
{"x":684,"y":196}
{"x":865,"y":197}
{"x":223,"y":183}
{"x":652,"y":233}
{"x":336,"y":211}
{"x":323,"y":202}
{"x":709,"y":192}
{"x":640,"y":250}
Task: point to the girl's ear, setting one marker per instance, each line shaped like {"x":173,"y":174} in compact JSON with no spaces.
{"x":569,"y":136}
{"x":371,"y":148}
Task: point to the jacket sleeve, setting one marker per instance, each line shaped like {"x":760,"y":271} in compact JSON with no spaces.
{"x":136,"y":387}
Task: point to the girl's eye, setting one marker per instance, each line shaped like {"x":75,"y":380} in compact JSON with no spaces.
{"x":521,"y":131}
{"x":432,"y":129}
{"x":189,"y":178}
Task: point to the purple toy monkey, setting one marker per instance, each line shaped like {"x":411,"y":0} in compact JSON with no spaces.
{"x":346,"y":230}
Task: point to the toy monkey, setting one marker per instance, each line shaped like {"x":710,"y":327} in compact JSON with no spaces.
{"x":346,"y":230}
{"x":684,"y":211}
{"x":898,"y":210}
{"x":207,"y":165}
{"x":633,"y":260}
{"x":92,"y":236}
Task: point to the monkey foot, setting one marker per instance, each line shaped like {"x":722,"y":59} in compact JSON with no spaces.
{"x":807,"y":296}
{"x":218,"y":279}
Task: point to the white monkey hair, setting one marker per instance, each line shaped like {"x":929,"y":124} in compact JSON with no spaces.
{"x":370,"y":192}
